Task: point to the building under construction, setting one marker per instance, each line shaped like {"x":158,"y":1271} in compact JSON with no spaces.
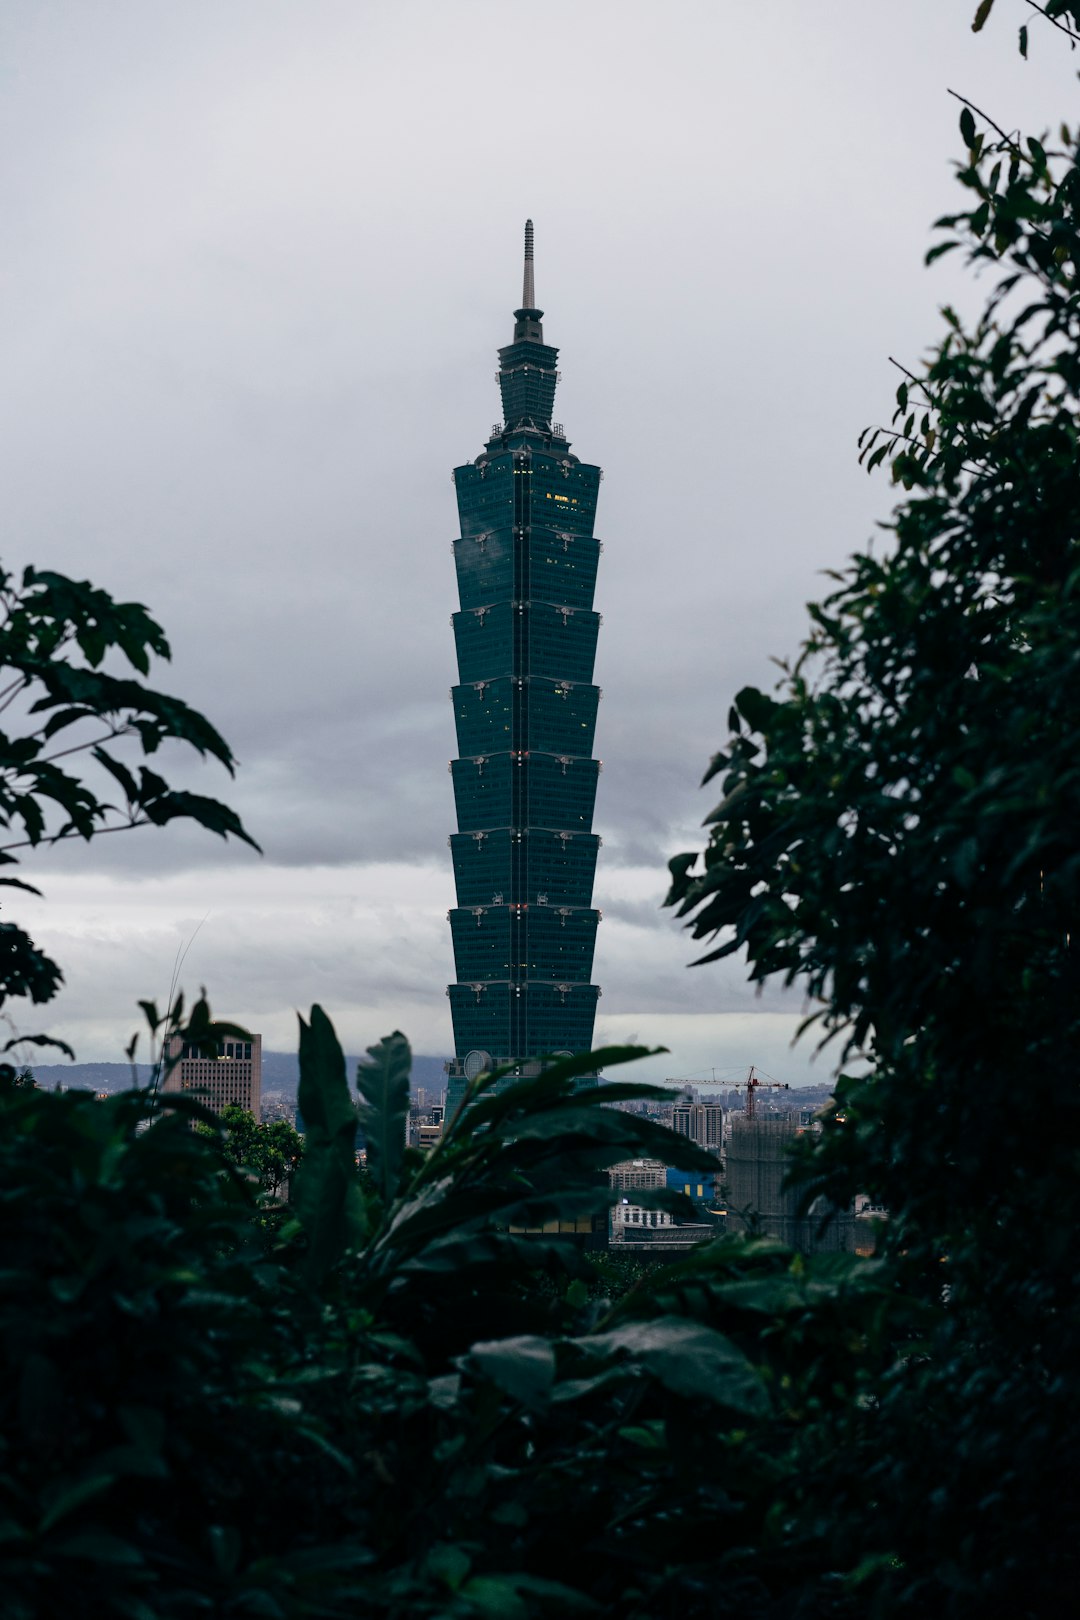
{"x":757,"y":1163}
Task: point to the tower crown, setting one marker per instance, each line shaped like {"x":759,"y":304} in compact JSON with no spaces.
{"x":527,"y":366}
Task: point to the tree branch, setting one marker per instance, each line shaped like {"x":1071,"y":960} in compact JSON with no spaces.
{"x":73,"y":832}
{"x":1010,"y":143}
{"x":9,"y":693}
{"x":1054,"y":21}
{"x":79,"y":748}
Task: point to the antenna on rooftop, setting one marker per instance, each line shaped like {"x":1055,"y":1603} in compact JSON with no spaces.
{"x":528,"y":293}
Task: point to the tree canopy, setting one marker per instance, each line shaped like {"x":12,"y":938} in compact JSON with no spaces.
{"x":899,"y":832}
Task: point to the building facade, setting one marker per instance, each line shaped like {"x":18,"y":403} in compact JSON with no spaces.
{"x":757,"y":1163}
{"x":703,"y":1123}
{"x":635,"y":1173}
{"x":232,"y":1075}
{"x":525,"y":705}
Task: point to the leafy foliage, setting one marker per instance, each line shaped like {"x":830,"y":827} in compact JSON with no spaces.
{"x":269,"y":1152}
{"x":56,"y":638}
{"x":446,"y":1422}
{"x":898,"y":833}
{"x":415,"y":1397}
{"x":326,"y":1191}
{"x":384,"y":1085}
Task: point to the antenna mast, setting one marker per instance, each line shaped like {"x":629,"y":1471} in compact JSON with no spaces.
{"x":528,"y":292}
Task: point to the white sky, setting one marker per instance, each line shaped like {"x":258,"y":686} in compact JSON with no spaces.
{"x":256,"y":263}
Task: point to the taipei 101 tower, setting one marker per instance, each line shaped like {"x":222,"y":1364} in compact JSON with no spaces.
{"x":525,"y":707}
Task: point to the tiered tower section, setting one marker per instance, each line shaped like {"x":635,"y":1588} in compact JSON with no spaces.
{"x":525,"y":707}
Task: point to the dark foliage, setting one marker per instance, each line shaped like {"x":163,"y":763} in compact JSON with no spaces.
{"x":412,"y":1396}
{"x":56,"y":637}
{"x":201,"y":1416}
{"x":899,"y":832}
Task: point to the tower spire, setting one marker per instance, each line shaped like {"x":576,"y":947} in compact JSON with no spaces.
{"x":528,"y":293}
{"x":527,"y":327}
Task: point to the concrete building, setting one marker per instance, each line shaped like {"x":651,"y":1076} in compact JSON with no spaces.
{"x":630,"y":1223}
{"x":757,"y":1163}
{"x":632,"y":1173}
{"x":231,"y":1075}
{"x":703,"y":1123}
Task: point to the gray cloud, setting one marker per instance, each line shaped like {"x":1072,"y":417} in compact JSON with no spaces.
{"x":257,"y":262}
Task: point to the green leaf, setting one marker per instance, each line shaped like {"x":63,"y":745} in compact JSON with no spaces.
{"x":39,"y":1040}
{"x":65,"y":1498}
{"x":326,"y":1191}
{"x":97,"y":1547}
{"x":494,"y":1595}
{"x":17,"y":883}
{"x":985,"y":8}
{"x":967,"y":123}
{"x":448,"y":1564}
{"x":383,"y":1084}
{"x":689,"y":1359}
{"x":523,"y":1368}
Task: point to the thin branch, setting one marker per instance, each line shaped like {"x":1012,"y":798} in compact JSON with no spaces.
{"x":1065,"y":29}
{"x":79,"y":748}
{"x":909,"y":438}
{"x":920,"y":382}
{"x":73,"y":832}
{"x":10,"y":693}
{"x":1009,"y":142}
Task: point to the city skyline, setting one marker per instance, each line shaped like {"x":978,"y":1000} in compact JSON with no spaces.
{"x":252,"y":259}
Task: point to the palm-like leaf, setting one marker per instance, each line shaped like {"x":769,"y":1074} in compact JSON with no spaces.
{"x":326,"y":1192}
{"x":383,"y":1084}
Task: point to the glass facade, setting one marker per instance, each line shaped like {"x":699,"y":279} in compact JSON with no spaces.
{"x":525,"y":710}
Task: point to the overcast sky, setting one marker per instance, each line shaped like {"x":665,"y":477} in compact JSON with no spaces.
{"x":257,"y":258}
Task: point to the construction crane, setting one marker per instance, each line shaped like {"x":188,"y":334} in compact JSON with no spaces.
{"x":752,"y":1083}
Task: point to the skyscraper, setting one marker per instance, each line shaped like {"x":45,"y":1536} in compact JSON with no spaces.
{"x":525,"y":708}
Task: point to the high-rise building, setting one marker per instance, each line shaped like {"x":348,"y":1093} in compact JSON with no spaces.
{"x":703,"y":1123}
{"x":525,"y":708}
{"x":758,"y":1161}
{"x":232,"y":1074}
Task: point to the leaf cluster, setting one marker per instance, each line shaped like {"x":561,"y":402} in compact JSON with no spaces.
{"x":897,"y":833}
{"x":72,"y":732}
{"x":411,"y":1399}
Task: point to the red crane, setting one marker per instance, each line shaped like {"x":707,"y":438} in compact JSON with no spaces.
{"x":752,"y":1084}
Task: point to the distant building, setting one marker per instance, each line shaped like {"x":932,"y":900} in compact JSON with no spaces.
{"x":703,"y":1123}
{"x":757,"y":1164}
{"x":277,"y":1106}
{"x":630,"y":1222}
{"x":630,"y":1173}
{"x":696,"y":1184}
{"x":232,"y":1075}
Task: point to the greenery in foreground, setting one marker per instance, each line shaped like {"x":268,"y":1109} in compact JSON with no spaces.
{"x":390,"y":1400}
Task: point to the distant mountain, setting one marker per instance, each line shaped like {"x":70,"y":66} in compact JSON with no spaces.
{"x":88,"y":1076}
{"x":280,"y":1072}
